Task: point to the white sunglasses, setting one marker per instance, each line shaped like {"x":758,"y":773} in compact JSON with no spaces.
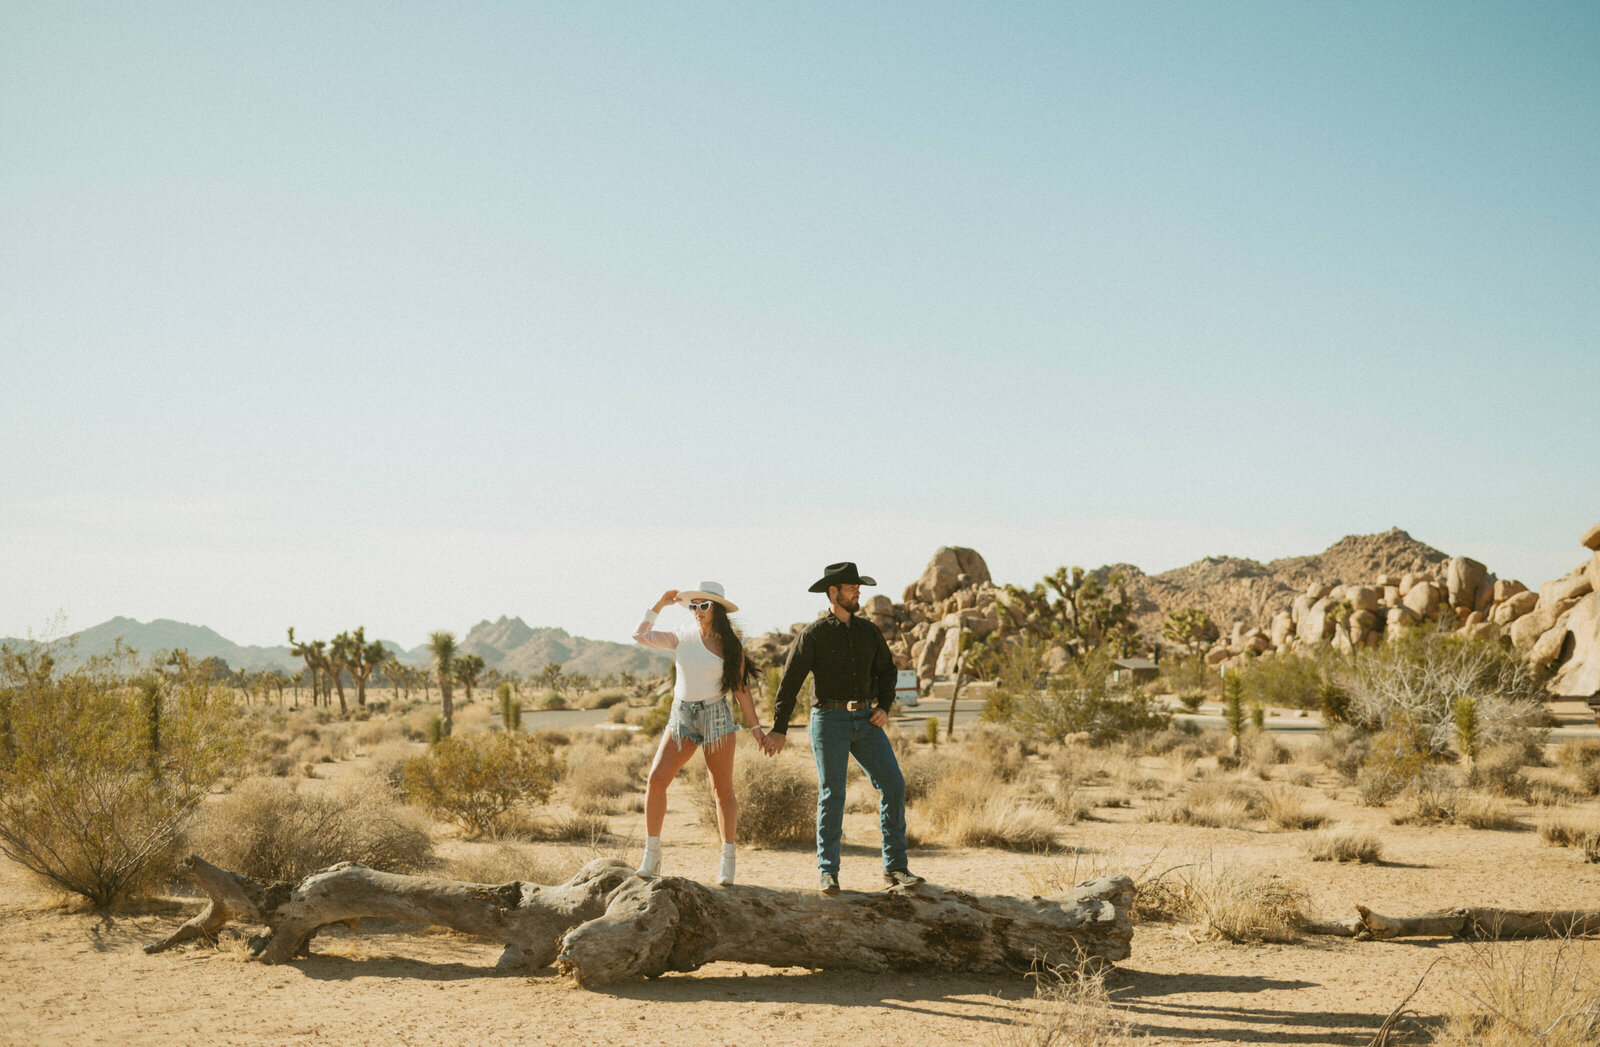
{"x":699,"y":605}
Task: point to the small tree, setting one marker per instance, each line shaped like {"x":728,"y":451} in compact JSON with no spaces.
{"x":468,"y":667}
{"x":1233,"y":709}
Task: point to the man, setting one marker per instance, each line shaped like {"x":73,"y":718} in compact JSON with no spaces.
{"x":853,"y":686}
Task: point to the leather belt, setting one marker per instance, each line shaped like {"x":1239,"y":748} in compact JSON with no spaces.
{"x":854,"y":707}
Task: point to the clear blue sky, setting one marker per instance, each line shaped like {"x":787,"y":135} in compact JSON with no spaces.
{"x":408,"y":314}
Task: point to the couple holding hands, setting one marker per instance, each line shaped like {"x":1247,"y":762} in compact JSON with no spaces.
{"x":853,"y":686}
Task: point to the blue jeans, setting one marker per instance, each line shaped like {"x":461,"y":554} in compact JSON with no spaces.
{"x":837,"y":735}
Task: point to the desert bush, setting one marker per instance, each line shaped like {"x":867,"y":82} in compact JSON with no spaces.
{"x":476,"y":781}
{"x":1397,"y":759}
{"x":1550,"y":794}
{"x":1263,"y":752}
{"x":1285,"y":680}
{"x":388,"y":763}
{"x":1169,"y":739}
{"x":1285,"y":809}
{"x":100,"y":774}
{"x":1567,"y":829}
{"x":552,"y":700}
{"x":1513,"y":996}
{"x":595,"y":777}
{"x":1345,"y":845}
{"x":1192,"y":701}
{"x":1209,"y":805}
{"x":777,"y":798}
{"x":922,"y":769}
{"x":557,"y":739}
{"x":1474,"y":810}
{"x":606,"y":697}
{"x":654,"y":720}
{"x":1070,"y":1008}
{"x":578,"y":827}
{"x":1572,"y":755}
{"x":1080,"y":699}
{"x":1244,"y":905}
{"x":505,"y":862}
{"x":270,"y":829}
{"x":1499,"y":771}
{"x":1342,"y":749}
{"x":373,"y":733}
{"x":1001,"y":749}
{"x":1416,"y":684}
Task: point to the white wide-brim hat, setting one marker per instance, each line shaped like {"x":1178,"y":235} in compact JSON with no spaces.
{"x":707,"y":591}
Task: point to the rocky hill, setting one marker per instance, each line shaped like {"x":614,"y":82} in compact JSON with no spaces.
{"x":1357,"y":592}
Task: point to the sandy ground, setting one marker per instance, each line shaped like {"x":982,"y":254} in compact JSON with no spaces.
{"x":81,"y":978}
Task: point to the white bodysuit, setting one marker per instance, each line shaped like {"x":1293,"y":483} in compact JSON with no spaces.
{"x":699,"y":671}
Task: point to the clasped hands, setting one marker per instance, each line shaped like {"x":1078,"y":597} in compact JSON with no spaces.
{"x":772,"y":743}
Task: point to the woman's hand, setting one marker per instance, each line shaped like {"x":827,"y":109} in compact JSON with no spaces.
{"x":668,"y":597}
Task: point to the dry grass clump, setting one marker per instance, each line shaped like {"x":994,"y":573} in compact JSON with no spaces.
{"x":505,"y":862}
{"x":1211,"y":804}
{"x":1170,"y":739}
{"x":1285,"y":809}
{"x":1571,"y":755}
{"x":1263,"y":752}
{"x":1551,"y":794}
{"x":1570,"y":829}
{"x":1499,"y":772}
{"x":1342,"y":749}
{"x":578,"y":827}
{"x":1433,"y":799}
{"x":270,"y":829}
{"x":777,"y":798}
{"x":1158,"y":896}
{"x":1477,"y":811}
{"x":387,"y":762}
{"x":1522,"y":996}
{"x":1244,"y":905}
{"x":370,"y":734}
{"x":1003,"y":750}
{"x":476,"y":718}
{"x":596,"y":777}
{"x":317,"y":743}
{"x":967,"y":805}
{"x":1345,"y":845}
{"x":1071,"y":1008}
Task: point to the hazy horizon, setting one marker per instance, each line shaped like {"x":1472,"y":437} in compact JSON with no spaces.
{"x":408,"y":314}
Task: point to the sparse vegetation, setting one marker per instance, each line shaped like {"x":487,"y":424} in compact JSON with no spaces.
{"x":477,"y":781}
{"x":777,"y":798}
{"x":1345,"y":845}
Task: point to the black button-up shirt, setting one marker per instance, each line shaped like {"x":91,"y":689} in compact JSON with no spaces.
{"x":849,"y":662}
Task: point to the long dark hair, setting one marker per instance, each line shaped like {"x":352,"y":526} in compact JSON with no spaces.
{"x":737,"y":666}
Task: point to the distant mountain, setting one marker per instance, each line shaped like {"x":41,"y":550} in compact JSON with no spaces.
{"x":509,"y":645}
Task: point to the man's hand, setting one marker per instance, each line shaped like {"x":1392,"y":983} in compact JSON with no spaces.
{"x":772,"y":743}
{"x":879,"y":718}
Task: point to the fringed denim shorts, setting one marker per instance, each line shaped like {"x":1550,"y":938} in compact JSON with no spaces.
{"x":703,"y":723}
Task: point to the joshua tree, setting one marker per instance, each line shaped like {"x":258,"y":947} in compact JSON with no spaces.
{"x":361,"y":658}
{"x":398,"y":675}
{"x":443,"y":646}
{"x":341,"y":653}
{"x":311,"y":651}
{"x":468,"y":667}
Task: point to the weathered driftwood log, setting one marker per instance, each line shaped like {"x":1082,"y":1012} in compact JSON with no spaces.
{"x":609,"y":924}
{"x":527,"y":918}
{"x":659,"y":925}
{"x":1475,"y":923}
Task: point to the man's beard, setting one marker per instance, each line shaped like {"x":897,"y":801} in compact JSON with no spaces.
{"x":850,"y":603}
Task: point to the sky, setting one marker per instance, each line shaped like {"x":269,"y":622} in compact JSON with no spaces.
{"x":407,"y":315}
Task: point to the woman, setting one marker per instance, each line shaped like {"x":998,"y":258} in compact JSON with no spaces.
{"x":711,"y":664}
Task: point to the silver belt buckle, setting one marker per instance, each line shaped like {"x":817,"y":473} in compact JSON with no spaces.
{"x":855,"y":707}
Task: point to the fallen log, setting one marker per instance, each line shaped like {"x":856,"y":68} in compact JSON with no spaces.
{"x":1476,"y":923}
{"x":607,"y":923}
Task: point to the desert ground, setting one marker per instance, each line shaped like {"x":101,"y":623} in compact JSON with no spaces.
{"x":72,"y":976}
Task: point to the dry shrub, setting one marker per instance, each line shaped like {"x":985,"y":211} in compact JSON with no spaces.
{"x":1551,"y":794}
{"x":1345,"y":845}
{"x":477,"y":781}
{"x":1522,"y":996}
{"x":373,"y":733}
{"x":1264,"y":752}
{"x":1477,"y":811}
{"x":552,"y":737}
{"x":1071,"y":1008}
{"x":1078,"y":764}
{"x":1499,"y":771}
{"x":605,"y":698}
{"x":505,"y":862}
{"x":998,"y":821}
{"x":595,"y":777}
{"x":922,"y":769}
{"x":388,"y":762}
{"x":324,"y":743}
{"x":468,"y":720}
{"x":777,"y":798}
{"x":1244,"y":905}
{"x":1568,"y":828}
{"x":1572,"y":755}
{"x":1215,"y":804}
{"x":1303,"y":778}
{"x":1000,"y":748}
{"x":270,"y":829}
{"x":1178,"y":736}
{"x":578,"y":827}
{"x":1285,"y":809}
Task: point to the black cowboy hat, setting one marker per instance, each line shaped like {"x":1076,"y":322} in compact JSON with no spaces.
{"x":840,"y":574}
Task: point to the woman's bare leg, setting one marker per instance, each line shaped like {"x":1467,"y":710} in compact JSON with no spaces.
{"x":671,"y":755}
{"x":719,"y":761}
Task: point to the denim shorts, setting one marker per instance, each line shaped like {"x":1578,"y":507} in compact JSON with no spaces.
{"x":703,"y":723}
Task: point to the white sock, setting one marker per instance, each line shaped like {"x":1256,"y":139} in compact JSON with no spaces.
{"x":651,"y":864}
{"x":725,"y":875}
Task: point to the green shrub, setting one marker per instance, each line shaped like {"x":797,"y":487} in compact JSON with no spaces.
{"x":930,"y":730}
{"x":268,"y":829}
{"x":1333,"y":703}
{"x":1397,"y":760}
{"x":477,"y":781}
{"x":1287,"y":681}
{"x":1233,"y":704}
{"x":654,"y":721}
{"x":1192,"y":701}
{"x":99,"y":778}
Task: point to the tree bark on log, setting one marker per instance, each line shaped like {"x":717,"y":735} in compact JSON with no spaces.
{"x":607,"y":923}
{"x":1478,"y":924}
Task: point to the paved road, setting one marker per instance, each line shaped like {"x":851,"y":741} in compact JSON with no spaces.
{"x":1576,"y":720}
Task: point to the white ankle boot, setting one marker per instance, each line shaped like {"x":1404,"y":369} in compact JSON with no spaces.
{"x":725,"y":874}
{"x":651,"y":864}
